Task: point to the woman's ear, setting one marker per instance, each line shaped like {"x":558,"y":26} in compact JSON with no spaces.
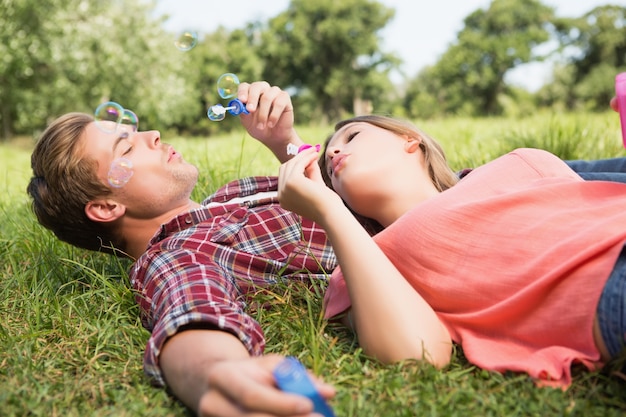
{"x":411,"y":145}
{"x":103,"y":211}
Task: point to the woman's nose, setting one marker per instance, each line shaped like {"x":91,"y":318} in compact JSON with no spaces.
{"x":331,"y":151}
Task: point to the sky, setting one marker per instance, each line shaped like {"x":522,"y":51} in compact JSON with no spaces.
{"x":419,"y":34}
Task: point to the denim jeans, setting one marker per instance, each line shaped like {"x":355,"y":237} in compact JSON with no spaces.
{"x":612,"y":308}
{"x":613,"y":169}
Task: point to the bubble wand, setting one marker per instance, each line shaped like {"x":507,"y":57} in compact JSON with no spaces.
{"x":227,"y":89}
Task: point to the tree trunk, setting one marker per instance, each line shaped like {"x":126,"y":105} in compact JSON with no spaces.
{"x":5,"y":119}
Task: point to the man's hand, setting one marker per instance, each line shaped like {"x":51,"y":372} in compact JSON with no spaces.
{"x":271,"y":117}
{"x":211,"y":372}
{"x":246,"y":387}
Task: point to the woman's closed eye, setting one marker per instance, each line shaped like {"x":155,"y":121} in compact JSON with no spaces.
{"x":351,"y":136}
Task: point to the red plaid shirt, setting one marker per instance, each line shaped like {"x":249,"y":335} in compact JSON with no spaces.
{"x":200,"y":265}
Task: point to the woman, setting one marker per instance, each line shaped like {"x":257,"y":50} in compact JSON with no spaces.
{"x":519,"y":262}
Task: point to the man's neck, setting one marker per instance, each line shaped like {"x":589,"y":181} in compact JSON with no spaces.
{"x":139,"y":232}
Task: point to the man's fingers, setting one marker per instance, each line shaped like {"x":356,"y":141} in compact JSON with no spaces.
{"x":251,"y":389}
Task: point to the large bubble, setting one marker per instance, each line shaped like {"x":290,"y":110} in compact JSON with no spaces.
{"x":111,"y":116}
{"x":227,"y":85}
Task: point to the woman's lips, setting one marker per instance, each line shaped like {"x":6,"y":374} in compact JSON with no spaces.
{"x":338,"y":162}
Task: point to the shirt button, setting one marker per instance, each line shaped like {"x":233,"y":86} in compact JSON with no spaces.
{"x":188,"y":220}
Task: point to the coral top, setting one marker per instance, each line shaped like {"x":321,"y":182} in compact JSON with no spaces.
{"x":513,"y":259}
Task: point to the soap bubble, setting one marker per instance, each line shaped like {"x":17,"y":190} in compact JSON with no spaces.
{"x":130,"y":119}
{"x":186,"y":40}
{"x":227,"y":85}
{"x":120,"y":171}
{"x":216,"y":113}
{"x":110,"y":116}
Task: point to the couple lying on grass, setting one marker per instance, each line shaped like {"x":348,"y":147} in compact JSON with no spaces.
{"x":520,"y":262}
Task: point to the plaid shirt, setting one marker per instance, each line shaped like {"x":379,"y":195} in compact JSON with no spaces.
{"x":200,"y":266}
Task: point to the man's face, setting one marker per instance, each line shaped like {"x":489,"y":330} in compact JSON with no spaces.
{"x":159,"y":180}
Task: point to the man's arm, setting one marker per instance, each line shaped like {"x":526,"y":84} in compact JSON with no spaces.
{"x":211,"y":372}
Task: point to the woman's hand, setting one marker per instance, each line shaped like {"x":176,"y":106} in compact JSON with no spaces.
{"x":301,"y":188}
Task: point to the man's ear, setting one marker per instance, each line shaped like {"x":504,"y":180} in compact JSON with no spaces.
{"x":103,"y":211}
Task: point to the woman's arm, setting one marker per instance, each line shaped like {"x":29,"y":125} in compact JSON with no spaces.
{"x":393,"y":322}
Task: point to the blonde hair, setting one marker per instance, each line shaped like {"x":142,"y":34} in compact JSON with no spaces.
{"x":441,"y":175}
{"x":64,"y":181}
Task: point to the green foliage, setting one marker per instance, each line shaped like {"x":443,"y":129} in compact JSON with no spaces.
{"x":71,"y":342}
{"x":598,"y":39}
{"x":70,"y":55}
{"x":331,"y":49}
{"x":492,"y":42}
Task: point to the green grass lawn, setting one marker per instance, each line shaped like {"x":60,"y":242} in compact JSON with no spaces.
{"x":71,"y":343}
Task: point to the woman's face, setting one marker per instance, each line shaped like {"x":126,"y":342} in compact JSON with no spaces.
{"x":360,"y":158}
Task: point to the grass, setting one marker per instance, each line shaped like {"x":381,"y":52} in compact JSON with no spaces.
{"x":71,"y":343}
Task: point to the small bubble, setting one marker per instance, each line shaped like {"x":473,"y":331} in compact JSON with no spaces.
{"x":227,"y":85}
{"x":120,"y":171}
{"x":216,"y":113}
{"x":186,"y":40}
{"x":130,"y":119}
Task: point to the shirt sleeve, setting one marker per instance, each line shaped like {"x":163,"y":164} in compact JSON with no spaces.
{"x":181,"y":288}
{"x":336,"y":297}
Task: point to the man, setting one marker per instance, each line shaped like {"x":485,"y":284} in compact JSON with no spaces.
{"x":193,"y":262}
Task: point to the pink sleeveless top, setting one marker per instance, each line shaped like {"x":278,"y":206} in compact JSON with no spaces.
{"x":513,"y":259}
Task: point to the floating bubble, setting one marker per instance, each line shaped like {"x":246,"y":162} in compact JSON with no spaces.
{"x":130,"y":119}
{"x":216,"y":113}
{"x":120,"y":171}
{"x":186,"y":40}
{"x":227,"y":85}
{"x":108,"y":115}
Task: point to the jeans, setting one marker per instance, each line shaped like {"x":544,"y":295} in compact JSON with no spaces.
{"x":612,"y":308}
{"x":613,"y":169}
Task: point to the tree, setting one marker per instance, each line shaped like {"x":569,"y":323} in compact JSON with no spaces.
{"x":24,"y":56}
{"x":330,"y":50}
{"x":595,"y":48}
{"x":492,"y":42}
{"x":71,"y":55}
